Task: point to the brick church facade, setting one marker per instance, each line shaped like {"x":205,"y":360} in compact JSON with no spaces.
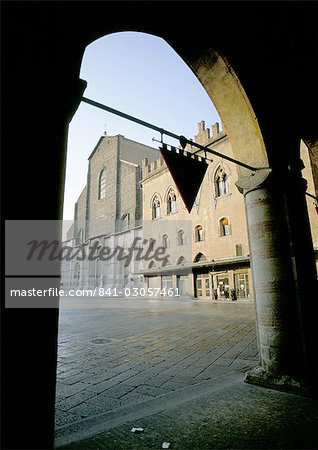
{"x":108,"y":213}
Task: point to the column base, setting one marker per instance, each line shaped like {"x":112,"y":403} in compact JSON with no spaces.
{"x":261,"y":377}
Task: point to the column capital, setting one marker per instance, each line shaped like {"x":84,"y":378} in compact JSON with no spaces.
{"x":254,"y":181}
{"x":264,"y":177}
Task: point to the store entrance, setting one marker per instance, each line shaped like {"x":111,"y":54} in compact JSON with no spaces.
{"x":223,"y":288}
{"x":241,"y":285}
{"x":203,"y":286}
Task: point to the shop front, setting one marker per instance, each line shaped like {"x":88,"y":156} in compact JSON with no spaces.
{"x":224,"y":280}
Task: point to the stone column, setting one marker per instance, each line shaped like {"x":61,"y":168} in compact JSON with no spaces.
{"x":282,"y":362}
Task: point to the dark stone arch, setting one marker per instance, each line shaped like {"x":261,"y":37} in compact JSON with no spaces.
{"x":274,"y":57}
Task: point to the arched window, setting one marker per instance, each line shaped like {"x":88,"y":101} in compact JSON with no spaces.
{"x":151,"y":244}
{"x":199,"y":233}
{"x":77,"y":274}
{"x":221,"y":183}
{"x":165,"y":241}
{"x":79,"y":237}
{"x":172,"y":202}
{"x":181,"y":261}
{"x":126,"y":274}
{"x":156,"y":212}
{"x":199,"y":257}
{"x":166,"y":262}
{"x":181,"y":240}
{"x":102,"y":184}
{"x":225,"y":228}
{"x":152,"y":265}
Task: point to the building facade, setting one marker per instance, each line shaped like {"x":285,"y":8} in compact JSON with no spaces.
{"x":108,"y":215}
{"x":209,"y":246}
{"x":131,"y":201}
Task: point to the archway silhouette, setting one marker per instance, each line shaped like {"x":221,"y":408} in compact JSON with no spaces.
{"x":241,"y":125}
{"x":51,"y":41}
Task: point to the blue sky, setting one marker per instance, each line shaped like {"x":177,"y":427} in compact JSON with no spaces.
{"x":140,"y":75}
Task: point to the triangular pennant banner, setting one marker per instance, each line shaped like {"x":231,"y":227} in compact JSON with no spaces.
{"x":187,"y":172}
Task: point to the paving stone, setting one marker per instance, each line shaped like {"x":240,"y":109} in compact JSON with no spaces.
{"x":226,"y":362}
{"x":182,"y":378}
{"x":134,"y":397}
{"x":212,"y":371}
{"x":96,"y":377}
{"x":87,"y":409}
{"x":235,"y":418}
{"x":151,"y":390}
{"x":159,"y":380}
{"x":64,"y":417}
{"x":120,"y":373}
{"x":104,"y":402}
{"x":73,"y":379}
{"x":242,"y":364}
{"x":173,"y":385}
{"x":157,"y":348}
{"x":119,"y":390}
{"x":74,"y":400}
{"x":65,"y":390}
{"x":138,"y":380}
{"x":109,"y":383}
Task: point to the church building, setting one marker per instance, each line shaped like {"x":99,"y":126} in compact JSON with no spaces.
{"x":108,"y":214}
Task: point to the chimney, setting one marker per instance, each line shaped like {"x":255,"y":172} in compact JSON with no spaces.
{"x":215,"y":129}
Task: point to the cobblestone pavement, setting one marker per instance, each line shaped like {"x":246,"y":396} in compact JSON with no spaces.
{"x":120,"y":352}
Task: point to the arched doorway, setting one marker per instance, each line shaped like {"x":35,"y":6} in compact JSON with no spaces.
{"x":202,"y":279}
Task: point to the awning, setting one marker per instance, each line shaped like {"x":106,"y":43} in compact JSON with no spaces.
{"x":186,"y":268}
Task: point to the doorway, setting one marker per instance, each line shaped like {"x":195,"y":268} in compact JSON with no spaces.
{"x":203,"y":286}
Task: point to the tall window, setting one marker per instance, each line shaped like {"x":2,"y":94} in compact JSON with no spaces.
{"x":165,"y":241}
{"x":239,"y":250}
{"x":79,"y":237}
{"x":225,"y":229}
{"x":156,"y":212}
{"x":77,"y":274}
{"x":102,"y":184}
{"x":181,"y":238}
{"x":125,"y":221}
{"x":221,"y":183}
{"x":172,"y":203}
{"x":199,"y":233}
